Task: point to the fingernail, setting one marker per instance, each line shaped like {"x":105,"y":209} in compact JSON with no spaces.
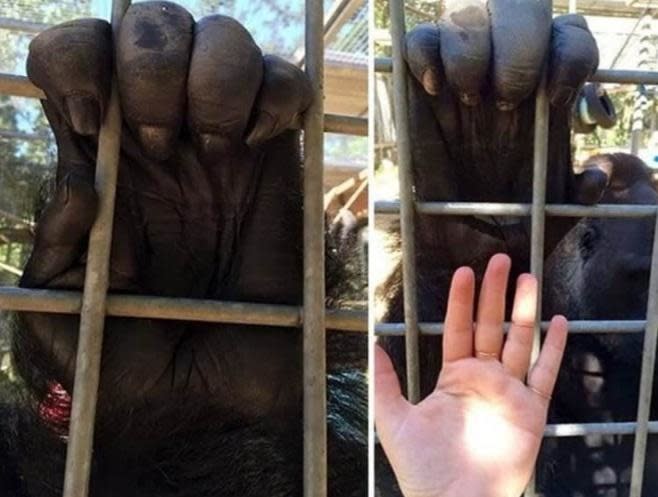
{"x":504,"y":105}
{"x":157,"y":141}
{"x":430,"y":82}
{"x":562,"y":97}
{"x":263,"y":129}
{"x":84,"y":114}
{"x":210,"y":147}
{"x":470,"y":99}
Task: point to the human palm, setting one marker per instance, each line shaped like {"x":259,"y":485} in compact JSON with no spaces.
{"x":479,"y":431}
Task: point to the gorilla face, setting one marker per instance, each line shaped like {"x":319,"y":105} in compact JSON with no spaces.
{"x":208,"y":205}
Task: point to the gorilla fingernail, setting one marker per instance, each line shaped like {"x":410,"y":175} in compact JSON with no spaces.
{"x":157,"y":141}
{"x":211,"y":146}
{"x":470,"y":99}
{"x":431,"y":82}
{"x":84,"y":114}
{"x":504,"y":105}
{"x":264,"y":129}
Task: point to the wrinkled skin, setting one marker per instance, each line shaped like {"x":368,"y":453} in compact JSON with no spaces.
{"x":208,"y":205}
{"x":473,"y":79}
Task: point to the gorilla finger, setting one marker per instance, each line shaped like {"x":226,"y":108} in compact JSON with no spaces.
{"x":423,"y":56}
{"x":78,"y":80}
{"x":466,"y":47}
{"x":521,"y":33}
{"x":61,"y":231}
{"x":226,"y":71}
{"x":155,"y":42}
{"x":284,"y":95}
{"x":574,"y":58}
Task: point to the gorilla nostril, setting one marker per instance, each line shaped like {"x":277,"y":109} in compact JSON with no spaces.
{"x":157,"y":141}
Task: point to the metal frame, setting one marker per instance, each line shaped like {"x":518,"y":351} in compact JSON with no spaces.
{"x":93,"y":304}
{"x":537,"y":210}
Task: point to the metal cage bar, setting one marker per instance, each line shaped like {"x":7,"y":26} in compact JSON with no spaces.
{"x":92,"y":313}
{"x":406,"y":201}
{"x":315,"y":371}
{"x":579,"y":327}
{"x":518,"y":210}
{"x":152,"y":307}
{"x":647,"y":374}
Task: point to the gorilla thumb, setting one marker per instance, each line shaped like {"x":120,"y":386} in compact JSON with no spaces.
{"x":62,"y":231}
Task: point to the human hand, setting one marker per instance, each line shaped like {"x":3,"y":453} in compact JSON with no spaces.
{"x":478,"y":433}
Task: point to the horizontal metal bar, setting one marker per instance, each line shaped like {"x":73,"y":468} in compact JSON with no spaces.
{"x":10,"y":269}
{"x":428,"y":328}
{"x":20,"y":25}
{"x":519,"y":210}
{"x":384,"y":65}
{"x":346,"y":125}
{"x":21,"y":86}
{"x":625,"y":77}
{"x":583,"y":429}
{"x":142,"y":306}
{"x":9,"y":134}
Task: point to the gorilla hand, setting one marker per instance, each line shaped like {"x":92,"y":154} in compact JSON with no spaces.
{"x":208,"y":203}
{"x":471,"y":105}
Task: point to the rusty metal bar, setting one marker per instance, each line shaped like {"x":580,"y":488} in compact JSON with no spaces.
{"x":315,"y":371}
{"x":151,"y":307}
{"x":20,"y":86}
{"x":92,"y":314}
{"x":519,"y":210}
{"x":397,"y":329}
{"x":406,"y":201}
{"x":647,"y":374}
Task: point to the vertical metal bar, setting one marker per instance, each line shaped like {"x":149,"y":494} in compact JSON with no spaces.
{"x":92,"y":317}
{"x":573,"y":6}
{"x":315,"y":388}
{"x":647,"y":375}
{"x":644,"y":63}
{"x":538,"y":211}
{"x":401,"y":108}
